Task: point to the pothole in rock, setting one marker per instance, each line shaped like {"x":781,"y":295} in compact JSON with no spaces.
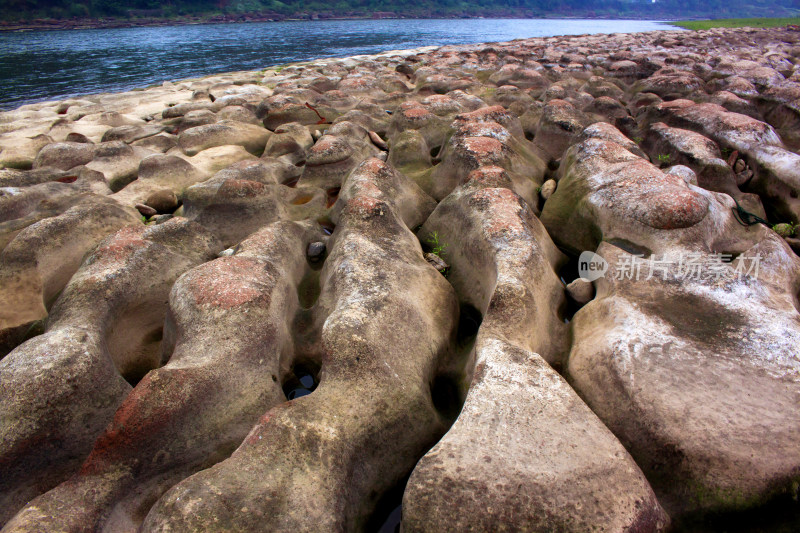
{"x":388,"y":511}
{"x":300,"y":382}
{"x":779,"y":516}
{"x":436,"y":155}
{"x":631,"y":248}
{"x":326,"y":225}
{"x":134,"y":342}
{"x":308,"y":290}
{"x":446,"y":396}
{"x":332,"y":196}
{"x":469,"y":323}
{"x":569,"y":271}
{"x":302,"y":199}
{"x":568,"y":309}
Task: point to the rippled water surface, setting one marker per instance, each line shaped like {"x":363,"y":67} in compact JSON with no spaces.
{"x":46,"y":65}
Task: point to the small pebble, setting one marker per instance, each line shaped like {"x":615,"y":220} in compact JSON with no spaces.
{"x":316,"y":251}
{"x":146,"y":210}
{"x":436,"y":262}
{"x":548,"y":188}
{"x":377,"y":141}
{"x":581,"y":291}
{"x":784,"y":230}
{"x":162,"y":200}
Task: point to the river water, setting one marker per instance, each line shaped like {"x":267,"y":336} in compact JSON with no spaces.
{"x":49,"y":65}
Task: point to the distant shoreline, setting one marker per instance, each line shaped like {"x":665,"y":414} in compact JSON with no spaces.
{"x":91,"y":24}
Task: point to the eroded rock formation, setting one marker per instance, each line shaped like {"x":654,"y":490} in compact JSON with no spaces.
{"x":290,"y":300}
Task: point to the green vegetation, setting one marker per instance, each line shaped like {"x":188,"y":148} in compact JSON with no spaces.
{"x":27,"y":10}
{"x":737,"y":23}
{"x":664,"y":159}
{"x":786,"y":229}
{"x":437,"y":248}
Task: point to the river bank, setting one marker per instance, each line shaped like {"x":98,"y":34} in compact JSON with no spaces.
{"x":42,"y":65}
{"x":143,"y":22}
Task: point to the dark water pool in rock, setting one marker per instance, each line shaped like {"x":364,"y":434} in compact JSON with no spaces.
{"x":48,"y":65}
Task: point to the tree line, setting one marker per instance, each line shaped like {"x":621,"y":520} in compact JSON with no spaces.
{"x":20,"y":10}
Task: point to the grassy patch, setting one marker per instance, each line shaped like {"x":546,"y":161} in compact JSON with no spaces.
{"x":736,"y":23}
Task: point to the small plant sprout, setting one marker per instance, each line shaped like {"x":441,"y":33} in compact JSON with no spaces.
{"x":663,"y":159}
{"x":437,"y":247}
{"x":434,"y":257}
{"x":637,"y":139}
